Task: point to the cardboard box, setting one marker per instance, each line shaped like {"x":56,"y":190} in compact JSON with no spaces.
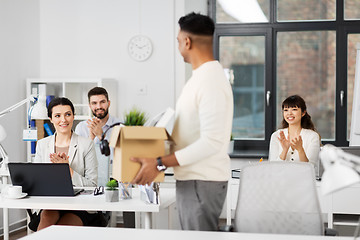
{"x":136,"y":141}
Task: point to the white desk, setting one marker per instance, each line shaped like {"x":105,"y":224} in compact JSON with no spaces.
{"x":95,"y":233}
{"x":90,"y":203}
{"x":4,"y":177}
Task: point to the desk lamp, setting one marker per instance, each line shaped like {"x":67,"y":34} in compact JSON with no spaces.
{"x":3,"y":154}
{"x":341,"y":170}
{"x":38,"y":111}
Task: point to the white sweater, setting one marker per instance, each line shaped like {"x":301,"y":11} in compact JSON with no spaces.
{"x":311,"y":145}
{"x":203,"y":124}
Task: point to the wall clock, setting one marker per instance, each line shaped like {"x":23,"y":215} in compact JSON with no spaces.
{"x":140,"y":48}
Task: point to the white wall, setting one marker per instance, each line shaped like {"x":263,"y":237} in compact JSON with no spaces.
{"x":183,"y":71}
{"x":89,"y":38}
{"x":19,"y":58}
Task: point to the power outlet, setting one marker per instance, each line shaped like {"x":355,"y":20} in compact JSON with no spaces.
{"x":141,"y":89}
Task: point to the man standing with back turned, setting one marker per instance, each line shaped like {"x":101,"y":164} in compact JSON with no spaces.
{"x":202,"y":129}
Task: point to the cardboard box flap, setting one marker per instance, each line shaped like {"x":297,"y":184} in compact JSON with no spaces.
{"x":114,"y":136}
{"x":169,"y":138}
{"x":144,"y":133}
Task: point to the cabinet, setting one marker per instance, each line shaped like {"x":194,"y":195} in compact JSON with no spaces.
{"x":345,"y":207}
{"x":75,"y":89}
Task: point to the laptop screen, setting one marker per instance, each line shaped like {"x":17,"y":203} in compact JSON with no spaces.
{"x":42,"y":179}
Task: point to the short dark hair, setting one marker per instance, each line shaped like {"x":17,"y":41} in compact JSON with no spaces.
{"x":98,"y":91}
{"x":59,"y":101}
{"x":197,"y":24}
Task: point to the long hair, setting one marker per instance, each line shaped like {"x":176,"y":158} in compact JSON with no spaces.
{"x":297,"y":101}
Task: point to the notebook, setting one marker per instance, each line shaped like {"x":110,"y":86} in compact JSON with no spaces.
{"x":43,"y":179}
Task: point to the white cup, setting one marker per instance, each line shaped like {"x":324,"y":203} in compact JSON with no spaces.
{"x":14,"y":191}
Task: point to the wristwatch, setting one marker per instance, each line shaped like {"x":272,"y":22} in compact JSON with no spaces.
{"x":160,"y":166}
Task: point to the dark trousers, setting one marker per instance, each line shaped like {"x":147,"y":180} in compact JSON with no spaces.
{"x":129,"y":219}
{"x":200,"y":203}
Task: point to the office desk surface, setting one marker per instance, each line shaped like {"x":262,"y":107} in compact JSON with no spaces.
{"x":91,"y":202}
{"x":96,"y":233}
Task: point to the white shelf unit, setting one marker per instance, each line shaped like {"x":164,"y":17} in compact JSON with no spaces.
{"x":345,"y":220}
{"x":76,"y":90}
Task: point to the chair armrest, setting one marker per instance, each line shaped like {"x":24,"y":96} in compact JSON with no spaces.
{"x":331,"y":232}
{"x":226,"y":228}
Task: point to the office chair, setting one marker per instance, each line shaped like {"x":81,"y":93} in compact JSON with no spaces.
{"x":278,"y":197}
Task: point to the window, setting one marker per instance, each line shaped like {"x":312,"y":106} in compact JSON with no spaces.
{"x":351,"y":11}
{"x":305,"y":10}
{"x":291,"y":47}
{"x":245,"y":66}
{"x":306,"y":66}
{"x":230,"y":11}
{"x":353,"y":40}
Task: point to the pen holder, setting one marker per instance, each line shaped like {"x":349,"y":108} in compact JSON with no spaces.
{"x":150,"y":193}
{"x":125,"y":190}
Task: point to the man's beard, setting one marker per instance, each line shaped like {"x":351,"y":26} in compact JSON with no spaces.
{"x":101,"y":115}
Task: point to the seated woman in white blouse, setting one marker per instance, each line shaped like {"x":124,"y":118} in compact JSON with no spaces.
{"x":298,"y":140}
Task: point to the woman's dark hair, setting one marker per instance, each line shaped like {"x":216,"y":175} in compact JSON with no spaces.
{"x":59,"y":101}
{"x":297,"y":101}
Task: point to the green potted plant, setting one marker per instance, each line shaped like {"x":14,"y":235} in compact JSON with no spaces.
{"x":135,"y":117}
{"x":112,"y":191}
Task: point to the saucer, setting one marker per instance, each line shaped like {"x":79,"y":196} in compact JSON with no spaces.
{"x":21,"y":196}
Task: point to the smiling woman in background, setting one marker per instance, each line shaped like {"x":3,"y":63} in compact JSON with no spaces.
{"x":67,"y":147}
{"x":298,"y":140}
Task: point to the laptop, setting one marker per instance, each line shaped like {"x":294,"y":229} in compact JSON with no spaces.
{"x":43,"y":179}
